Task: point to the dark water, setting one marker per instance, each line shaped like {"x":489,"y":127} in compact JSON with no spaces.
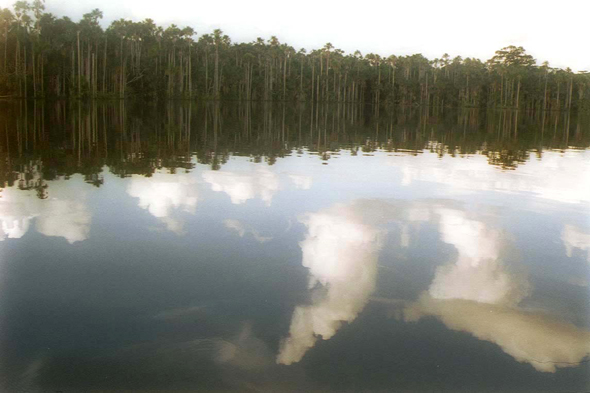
{"x":292,"y":248}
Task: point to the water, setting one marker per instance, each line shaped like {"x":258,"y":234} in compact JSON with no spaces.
{"x":292,"y":248}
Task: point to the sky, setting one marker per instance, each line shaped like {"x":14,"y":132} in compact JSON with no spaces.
{"x":549,"y":30}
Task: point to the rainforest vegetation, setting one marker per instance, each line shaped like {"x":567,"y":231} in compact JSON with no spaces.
{"x":48,"y":56}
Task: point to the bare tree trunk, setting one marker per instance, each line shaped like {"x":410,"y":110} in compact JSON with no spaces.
{"x":34,"y":73}
{"x":518,"y":93}
{"x":393,"y":86}
{"x":73,"y":77}
{"x":25,"y":68}
{"x":207,"y":72}
{"x":216,"y":76}
{"x":93,"y":76}
{"x":284,"y":77}
{"x":42,"y":77}
{"x":104,"y":67}
{"x":502,"y":90}
{"x":301,"y":79}
{"x":6,"y":49}
{"x":312,"y":80}
{"x":545,"y":93}
{"x":79,"y":65}
{"x":569,"y":103}
{"x":190,"y":73}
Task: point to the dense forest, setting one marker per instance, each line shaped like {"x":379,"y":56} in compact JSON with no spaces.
{"x":47,"y":56}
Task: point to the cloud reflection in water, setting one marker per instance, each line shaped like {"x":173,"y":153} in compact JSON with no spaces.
{"x":242,"y":229}
{"x":340,"y":252}
{"x":475,"y":293}
{"x":540,"y":340}
{"x":63,"y":214}
{"x":573,"y":238}
{"x":162,"y":194}
{"x":244,"y":185}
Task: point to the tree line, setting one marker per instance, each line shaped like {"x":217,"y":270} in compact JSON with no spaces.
{"x":47,"y":56}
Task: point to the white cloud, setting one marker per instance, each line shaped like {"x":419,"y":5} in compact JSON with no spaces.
{"x":340,"y":252}
{"x":251,"y":182}
{"x":162,"y":194}
{"x":302,"y":182}
{"x":477,"y":274}
{"x":478,"y":295}
{"x":543,"y":342}
{"x":561,"y":177}
{"x":243,"y":229}
{"x":69,"y":219}
{"x":13,"y":225}
{"x":245,"y":351}
{"x":475,"y":293}
{"x":574,"y":237}
{"x":63,"y":214}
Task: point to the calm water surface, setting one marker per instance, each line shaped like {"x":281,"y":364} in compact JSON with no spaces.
{"x":292,"y":248}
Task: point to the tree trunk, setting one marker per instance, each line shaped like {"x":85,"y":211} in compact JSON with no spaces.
{"x":79,"y":65}
{"x":312,"y":80}
{"x":34,"y":72}
{"x":190,"y":73}
{"x":5,"y":49}
{"x":25,"y":68}
{"x":545,"y":92}
{"x":104,"y":67}
{"x":284,"y":78}
{"x":518,"y":93}
{"x":569,"y":104}
{"x":216,"y":76}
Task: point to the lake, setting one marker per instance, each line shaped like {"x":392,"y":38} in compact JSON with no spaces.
{"x":291,"y":247}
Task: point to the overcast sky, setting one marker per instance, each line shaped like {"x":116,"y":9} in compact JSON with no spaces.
{"x":556,"y":31}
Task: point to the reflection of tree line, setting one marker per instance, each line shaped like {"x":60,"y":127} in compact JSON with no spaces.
{"x":44,"y":141}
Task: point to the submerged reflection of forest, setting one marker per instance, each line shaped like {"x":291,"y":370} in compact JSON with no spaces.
{"x":44,"y":141}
